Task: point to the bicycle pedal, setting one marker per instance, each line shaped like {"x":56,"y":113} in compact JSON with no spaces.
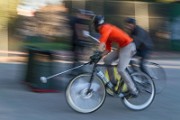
{"x":121,"y":95}
{"x":124,"y":94}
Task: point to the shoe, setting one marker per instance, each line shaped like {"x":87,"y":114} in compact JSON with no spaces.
{"x":124,"y":94}
{"x":121,"y":95}
{"x":128,"y":95}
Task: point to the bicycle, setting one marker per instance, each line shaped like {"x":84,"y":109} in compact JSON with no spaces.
{"x":153,"y":70}
{"x":86,"y":92}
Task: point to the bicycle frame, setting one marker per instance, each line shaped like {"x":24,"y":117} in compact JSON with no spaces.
{"x":104,"y":79}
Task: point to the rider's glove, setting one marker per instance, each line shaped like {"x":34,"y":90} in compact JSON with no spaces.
{"x":96,"y":57}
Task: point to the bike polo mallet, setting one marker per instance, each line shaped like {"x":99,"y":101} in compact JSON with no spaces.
{"x":86,"y":34}
{"x":45,"y":79}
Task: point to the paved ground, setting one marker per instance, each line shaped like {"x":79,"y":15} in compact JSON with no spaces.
{"x":19,"y":103}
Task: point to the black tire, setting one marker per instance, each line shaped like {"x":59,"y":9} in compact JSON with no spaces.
{"x":146,"y":95}
{"x":77,"y":98}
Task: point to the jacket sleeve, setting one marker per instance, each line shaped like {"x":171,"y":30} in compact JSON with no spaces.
{"x":105,"y":32}
{"x":137,"y":39}
{"x":108,"y":46}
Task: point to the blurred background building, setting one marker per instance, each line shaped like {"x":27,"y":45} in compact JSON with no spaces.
{"x":46,"y":20}
{"x":159,"y":17}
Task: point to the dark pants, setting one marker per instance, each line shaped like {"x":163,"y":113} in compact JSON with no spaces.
{"x":144,"y":55}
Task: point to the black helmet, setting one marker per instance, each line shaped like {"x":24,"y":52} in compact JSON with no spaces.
{"x":97,"y":21}
{"x":130,"y":20}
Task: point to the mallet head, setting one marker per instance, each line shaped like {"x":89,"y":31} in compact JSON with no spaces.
{"x":43,"y":79}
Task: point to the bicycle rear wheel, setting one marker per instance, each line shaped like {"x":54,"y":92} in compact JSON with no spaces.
{"x":78,"y":97}
{"x":157,"y":73}
{"x":146,"y":94}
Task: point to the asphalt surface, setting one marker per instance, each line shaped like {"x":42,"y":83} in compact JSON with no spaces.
{"x":17,"y":102}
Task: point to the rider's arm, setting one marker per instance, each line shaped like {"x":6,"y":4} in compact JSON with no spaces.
{"x":105,"y":45}
{"x":104,"y":32}
{"x":138,"y":39}
{"x":105,"y":48}
{"x":142,"y":37}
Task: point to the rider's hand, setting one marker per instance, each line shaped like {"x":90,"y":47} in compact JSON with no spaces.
{"x":101,"y":47}
{"x":96,"y":57}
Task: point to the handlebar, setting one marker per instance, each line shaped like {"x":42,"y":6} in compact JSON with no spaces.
{"x":96,"y":57}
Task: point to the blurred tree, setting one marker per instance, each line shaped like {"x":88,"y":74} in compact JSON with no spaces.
{"x":48,"y":22}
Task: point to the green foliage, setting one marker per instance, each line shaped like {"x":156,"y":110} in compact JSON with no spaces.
{"x":49,"y":46}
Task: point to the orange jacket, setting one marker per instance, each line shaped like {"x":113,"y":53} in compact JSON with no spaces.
{"x":110,"y":33}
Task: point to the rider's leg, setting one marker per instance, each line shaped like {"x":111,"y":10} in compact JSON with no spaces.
{"x":108,"y":61}
{"x":144,"y":54}
{"x":125,"y":56}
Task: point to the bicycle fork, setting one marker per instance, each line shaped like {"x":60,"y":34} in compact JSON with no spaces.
{"x":91,"y":79}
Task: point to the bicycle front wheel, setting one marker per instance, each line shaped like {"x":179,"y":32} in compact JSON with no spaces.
{"x":146,"y":95}
{"x":82,"y":99}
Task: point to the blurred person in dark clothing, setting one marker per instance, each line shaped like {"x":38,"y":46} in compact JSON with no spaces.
{"x":142,"y":40}
{"x":79,"y":22}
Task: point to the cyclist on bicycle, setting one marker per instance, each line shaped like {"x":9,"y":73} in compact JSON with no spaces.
{"x":126,"y":49}
{"x":141,"y":39}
